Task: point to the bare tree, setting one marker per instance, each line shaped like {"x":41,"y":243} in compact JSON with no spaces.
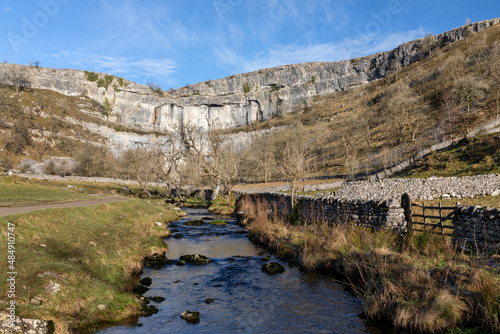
{"x":401,"y":105}
{"x":143,"y":165}
{"x":293,"y":162}
{"x":211,"y":156}
{"x":261,"y":154}
{"x":468,"y":91}
{"x":95,"y":160}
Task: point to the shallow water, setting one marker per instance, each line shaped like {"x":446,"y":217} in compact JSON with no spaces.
{"x":246,"y":299}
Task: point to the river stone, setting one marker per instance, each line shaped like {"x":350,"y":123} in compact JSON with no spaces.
{"x":147,"y":281}
{"x":196,"y":222}
{"x":180,"y":263}
{"x":191,"y":317}
{"x":177,"y":236}
{"x":156,"y":261}
{"x":209,"y":300}
{"x":157,"y":299}
{"x":148,"y":310}
{"x":195,"y":259}
{"x":272,"y":268}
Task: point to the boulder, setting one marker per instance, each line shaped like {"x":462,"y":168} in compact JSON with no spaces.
{"x":272,"y":268}
{"x":147,"y":281}
{"x":191,"y":317}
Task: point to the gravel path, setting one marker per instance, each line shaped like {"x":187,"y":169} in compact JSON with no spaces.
{"x":4,"y":211}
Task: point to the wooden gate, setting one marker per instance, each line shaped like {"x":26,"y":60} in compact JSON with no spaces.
{"x":431,"y":219}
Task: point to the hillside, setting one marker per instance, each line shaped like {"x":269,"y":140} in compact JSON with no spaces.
{"x":450,"y":92}
{"x":355,"y":115}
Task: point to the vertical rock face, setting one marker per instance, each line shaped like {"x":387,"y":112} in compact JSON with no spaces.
{"x":231,"y":102}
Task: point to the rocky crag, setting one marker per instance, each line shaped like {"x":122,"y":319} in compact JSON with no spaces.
{"x":234,"y":101}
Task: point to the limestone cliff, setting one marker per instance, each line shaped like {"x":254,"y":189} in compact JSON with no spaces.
{"x":234,"y":101}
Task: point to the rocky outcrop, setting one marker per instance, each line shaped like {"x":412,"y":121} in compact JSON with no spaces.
{"x":11,"y":325}
{"x":231,"y":102}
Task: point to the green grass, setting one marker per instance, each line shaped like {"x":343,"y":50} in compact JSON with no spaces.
{"x":19,"y":192}
{"x":223,"y":205}
{"x":479,"y":155}
{"x":94,"y":253}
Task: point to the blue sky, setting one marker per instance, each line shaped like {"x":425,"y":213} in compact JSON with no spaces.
{"x":173,"y":43}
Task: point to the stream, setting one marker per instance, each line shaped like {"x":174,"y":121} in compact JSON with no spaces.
{"x":246,"y":300}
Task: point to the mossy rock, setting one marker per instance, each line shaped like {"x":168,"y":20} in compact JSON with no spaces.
{"x":148,"y":310}
{"x":266,"y":258}
{"x":195,"y":259}
{"x":181,"y":263}
{"x":196,"y":222}
{"x":218,"y":223}
{"x":156,"y":261}
{"x":273,"y":268}
{"x":191,"y":317}
{"x":177,"y":236}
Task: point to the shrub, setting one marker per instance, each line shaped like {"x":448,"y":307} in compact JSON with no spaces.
{"x":91,"y":76}
{"x":246,"y":87}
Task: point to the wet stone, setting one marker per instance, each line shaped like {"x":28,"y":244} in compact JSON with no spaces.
{"x":195,"y":259}
{"x":191,"y":317}
{"x":147,"y":281}
{"x":273,"y":268}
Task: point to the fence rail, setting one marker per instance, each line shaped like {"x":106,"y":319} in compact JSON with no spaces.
{"x":429,"y":218}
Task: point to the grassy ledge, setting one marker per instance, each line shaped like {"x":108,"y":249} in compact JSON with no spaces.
{"x":95,"y":253}
{"x":420,"y":284}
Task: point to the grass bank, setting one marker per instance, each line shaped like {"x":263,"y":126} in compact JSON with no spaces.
{"x":420,"y":284}
{"x":21,"y":192}
{"x":94,"y":253}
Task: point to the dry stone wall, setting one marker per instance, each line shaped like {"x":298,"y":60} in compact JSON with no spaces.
{"x":368,"y":213}
{"x":426,"y":189}
{"x":477,"y":228}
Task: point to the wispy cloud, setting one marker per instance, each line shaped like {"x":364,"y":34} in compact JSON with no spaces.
{"x":154,"y":23}
{"x":347,"y":49}
{"x":7,"y":9}
{"x":161,"y":70}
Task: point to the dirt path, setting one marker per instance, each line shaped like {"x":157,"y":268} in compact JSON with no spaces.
{"x":4,"y":211}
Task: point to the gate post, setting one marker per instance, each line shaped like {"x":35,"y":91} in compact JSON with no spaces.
{"x":406,"y":205}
